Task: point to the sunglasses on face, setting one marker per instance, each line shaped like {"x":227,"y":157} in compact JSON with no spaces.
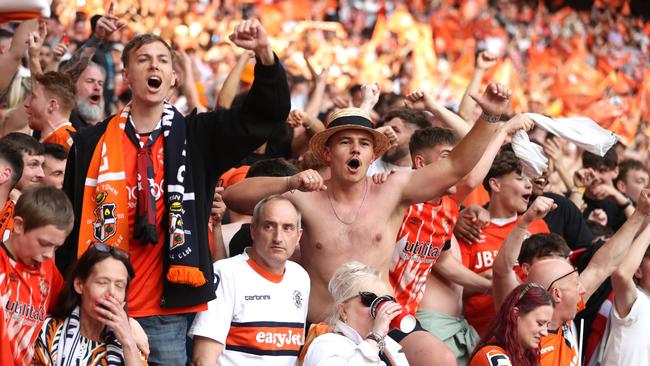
{"x":367,"y":298}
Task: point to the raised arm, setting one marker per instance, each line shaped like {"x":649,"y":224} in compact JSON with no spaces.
{"x":610,"y":255}
{"x":106,"y":25}
{"x":504,"y":278}
{"x":10,"y":60}
{"x":478,"y":173}
{"x":59,"y":51}
{"x":231,"y":84}
{"x":189,"y":84}
{"x":484,"y":61}
{"x":311,"y":126}
{"x":623,"y":285}
{"x":449,"y":118}
{"x":35,"y":43}
{"x":434,"y":179}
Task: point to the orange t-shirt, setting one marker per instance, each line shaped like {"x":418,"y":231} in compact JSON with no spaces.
{"x":26,"y":294}
{"x":422,"y":236}
{"x":479,"y":257}
{"x":6,"y":357}
{"x":146,"y":289}
{"x":490,"y":356}
{"x":62,"y":135}
{"x":558,"y":348}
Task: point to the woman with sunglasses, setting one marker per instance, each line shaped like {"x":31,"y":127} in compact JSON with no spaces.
{"x":89,"y":324}
{"x":356,"y":337}
{"x":516,"y":332}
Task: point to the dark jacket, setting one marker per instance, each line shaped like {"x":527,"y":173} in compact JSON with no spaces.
{"x":216,"y":141}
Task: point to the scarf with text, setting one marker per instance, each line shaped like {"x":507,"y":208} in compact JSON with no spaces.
{"x":104,"y":216}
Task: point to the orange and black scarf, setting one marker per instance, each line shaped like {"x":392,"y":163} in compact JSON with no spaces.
{"x":104,"y":216}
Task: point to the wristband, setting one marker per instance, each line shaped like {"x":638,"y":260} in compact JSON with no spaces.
{"x":626,"y":204}
{"x":492,"y":118}
{"x":381,"y":342}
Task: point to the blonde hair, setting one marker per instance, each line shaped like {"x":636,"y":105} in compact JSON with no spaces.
{"x":350,"y":279}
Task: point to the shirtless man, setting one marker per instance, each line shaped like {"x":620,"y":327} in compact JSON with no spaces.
{"x":349,"y":217}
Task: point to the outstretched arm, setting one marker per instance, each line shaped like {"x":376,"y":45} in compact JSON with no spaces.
{"x":442,"y":174}
{"x":243,"y":196}
{"x":231,"y":84}
{"x":449,"y":118}
{"x":106,"y":25}
{"x":475,"y":177}
{"x":484,"y":62}
{"x":504,"y":278}
{"x":610,"y":255}
{"x":623,"y":285}
{"x":10,"y":60}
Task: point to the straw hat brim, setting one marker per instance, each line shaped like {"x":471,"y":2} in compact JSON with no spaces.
{"x":318,"y":142}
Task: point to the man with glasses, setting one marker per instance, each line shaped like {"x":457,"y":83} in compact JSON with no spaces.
{"x":571,"y":289}
{"x":258,"y":317}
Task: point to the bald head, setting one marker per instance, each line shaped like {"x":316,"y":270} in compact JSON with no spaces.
{"x":548,"y":270}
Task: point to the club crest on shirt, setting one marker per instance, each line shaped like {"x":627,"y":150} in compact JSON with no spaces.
{"x":297,"y":299}
{"x":105,"y":223}
{"x":44,"y":287}
{"x":496,"y":358}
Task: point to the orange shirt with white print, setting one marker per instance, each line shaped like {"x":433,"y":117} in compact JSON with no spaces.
{"x":490,"y":356}
{"x":479,"y":257}
{"x":61,"y":136}
{"x":425,"y":230}
{"x":146,"y":289}
{"x":558,"y":348}
{"x":26,"y":295}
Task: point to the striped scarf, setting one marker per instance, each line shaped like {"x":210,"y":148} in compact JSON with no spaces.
{"x":104,"y":215}
{"x":60,"y":343}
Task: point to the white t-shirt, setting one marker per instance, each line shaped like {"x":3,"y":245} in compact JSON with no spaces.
{"x":629,"y":342}
{"x":257,"y":315}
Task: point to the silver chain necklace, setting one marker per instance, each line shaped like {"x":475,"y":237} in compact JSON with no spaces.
{"x":365,"y":192}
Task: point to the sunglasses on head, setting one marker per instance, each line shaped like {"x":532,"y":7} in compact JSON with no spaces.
{"x":560,"y":278}
{"x":119,"y":253}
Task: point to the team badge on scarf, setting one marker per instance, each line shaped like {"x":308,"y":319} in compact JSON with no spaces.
{"x":104,"y":216}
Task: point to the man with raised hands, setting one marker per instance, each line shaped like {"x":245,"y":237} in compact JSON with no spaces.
{"x":143,"y":179}
{"x":569,"y":289}
{"x":349,"y":217}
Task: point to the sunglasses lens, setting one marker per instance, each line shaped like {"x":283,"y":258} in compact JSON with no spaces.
{"x":367,"y":298}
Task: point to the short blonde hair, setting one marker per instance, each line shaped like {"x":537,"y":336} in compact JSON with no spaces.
{"x":352,"y":278}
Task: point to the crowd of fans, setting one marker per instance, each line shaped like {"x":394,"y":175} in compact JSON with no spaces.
{"x":324,"y":183}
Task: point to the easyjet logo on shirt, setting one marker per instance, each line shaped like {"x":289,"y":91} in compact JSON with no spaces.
{"x":279,"y":339}
{"x":265,"y":338}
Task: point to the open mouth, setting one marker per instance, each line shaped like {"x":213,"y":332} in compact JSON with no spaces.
{"x":354,"y":163}
{"x":94,"y":98}
{"x":526,"y":197}
{"x":154,"y":82}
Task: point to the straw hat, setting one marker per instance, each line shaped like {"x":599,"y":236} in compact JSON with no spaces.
{"x":347,"y":119}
